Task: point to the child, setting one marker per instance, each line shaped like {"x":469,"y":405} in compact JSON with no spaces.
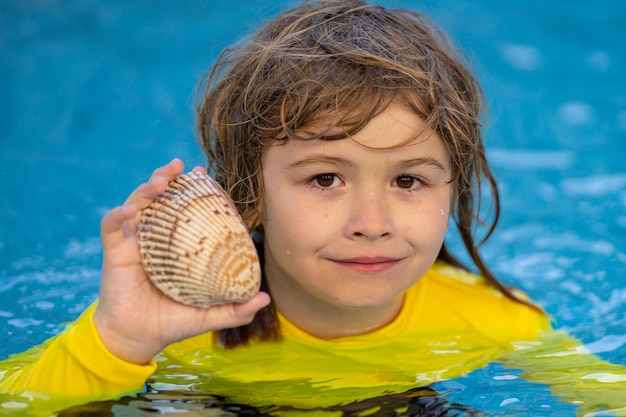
{"x":347,"y":135}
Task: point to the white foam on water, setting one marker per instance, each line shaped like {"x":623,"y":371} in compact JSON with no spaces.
{"x":22,"y":323}
{"x":599,"y":185}
{"x":505,"y":377}
{"x":608,"y":343}
{"x":602,"y":307}
{"x":535,"y":266}
{"x":605,"y":377}
{"x":530,"y":159}
{"x":569,"y":240}
{"x":522,"y":57}
{"x":14,"y":405}
{"x":83,"y":249}
{"x":509,"y":401}
{"x":44,"y":305}
{"x":576,"y":113}
{"x":599,"y":60}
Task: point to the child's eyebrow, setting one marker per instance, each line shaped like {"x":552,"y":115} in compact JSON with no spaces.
{"x":426,"y":160}
{"x":321,"y":159}
{"x":333,"y":160}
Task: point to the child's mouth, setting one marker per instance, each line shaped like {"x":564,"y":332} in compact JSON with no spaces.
{"x":368,"y":264}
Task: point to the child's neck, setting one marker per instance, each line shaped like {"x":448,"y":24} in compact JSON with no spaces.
{"x":324,"y":321}
{"x":343,"y":323}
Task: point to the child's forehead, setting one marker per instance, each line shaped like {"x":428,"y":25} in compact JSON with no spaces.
{"x":396,"y":125}
{"x":396,"y":134}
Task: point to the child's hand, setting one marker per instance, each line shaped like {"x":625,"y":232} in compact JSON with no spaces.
{"x":134,"y":319}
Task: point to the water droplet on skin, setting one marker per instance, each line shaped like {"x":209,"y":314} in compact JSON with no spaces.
{"x":288,"y":252}
{"x":443,"y":213}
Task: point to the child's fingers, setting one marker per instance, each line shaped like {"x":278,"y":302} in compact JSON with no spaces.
{"x":143,"y":195}
{"x":111,"y":227}
{"x":120,"y":220}
{"x":199,"y":169}
{"x":169,"y":171}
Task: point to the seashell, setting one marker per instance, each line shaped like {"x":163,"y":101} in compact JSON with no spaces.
{"x":195,"y":247}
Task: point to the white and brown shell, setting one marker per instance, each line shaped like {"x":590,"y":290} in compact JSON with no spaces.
{"x":194,"y":245}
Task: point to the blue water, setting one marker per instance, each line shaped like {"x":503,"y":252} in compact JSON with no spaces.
{"x":94,"y":95}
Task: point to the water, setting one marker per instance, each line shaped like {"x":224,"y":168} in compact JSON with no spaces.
{"x":94,"y":95}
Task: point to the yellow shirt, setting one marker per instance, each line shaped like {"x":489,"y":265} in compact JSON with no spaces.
{"x":451,"y":323}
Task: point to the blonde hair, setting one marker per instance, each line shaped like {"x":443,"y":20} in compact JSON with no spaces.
{"x":351,"y":60}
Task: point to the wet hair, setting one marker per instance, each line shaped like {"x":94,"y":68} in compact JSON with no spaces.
{"x":350,"y":60}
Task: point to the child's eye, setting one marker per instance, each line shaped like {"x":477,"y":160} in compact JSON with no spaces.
{"x":408,"y":182}
{"x":326,"y":180}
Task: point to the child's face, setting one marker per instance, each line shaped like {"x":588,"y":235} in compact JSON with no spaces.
{"x":350,"y":227}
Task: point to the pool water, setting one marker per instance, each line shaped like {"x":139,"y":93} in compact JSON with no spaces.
{"x":95,"y":95}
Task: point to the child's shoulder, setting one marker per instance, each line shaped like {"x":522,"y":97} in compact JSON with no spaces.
{"x":456,"y":285}
{"x":458,"y":281}
{"x":456,"y":298}
{"x":452,"y":277}
{"x":446,"y":270}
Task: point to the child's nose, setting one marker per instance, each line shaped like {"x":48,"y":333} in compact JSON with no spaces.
{"x":370,"y":217}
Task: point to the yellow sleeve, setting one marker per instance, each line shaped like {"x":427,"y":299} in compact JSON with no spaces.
{"x":574,"y":374}
{"x":75,"y":365}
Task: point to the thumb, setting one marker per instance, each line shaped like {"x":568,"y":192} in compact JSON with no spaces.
{"x":234,"y":314}
{"x":248,"y":309}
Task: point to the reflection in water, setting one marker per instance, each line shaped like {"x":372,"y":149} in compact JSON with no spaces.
{"x":417,"y":402}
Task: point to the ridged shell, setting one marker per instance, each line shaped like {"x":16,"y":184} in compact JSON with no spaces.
{"x":195,"y":247}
